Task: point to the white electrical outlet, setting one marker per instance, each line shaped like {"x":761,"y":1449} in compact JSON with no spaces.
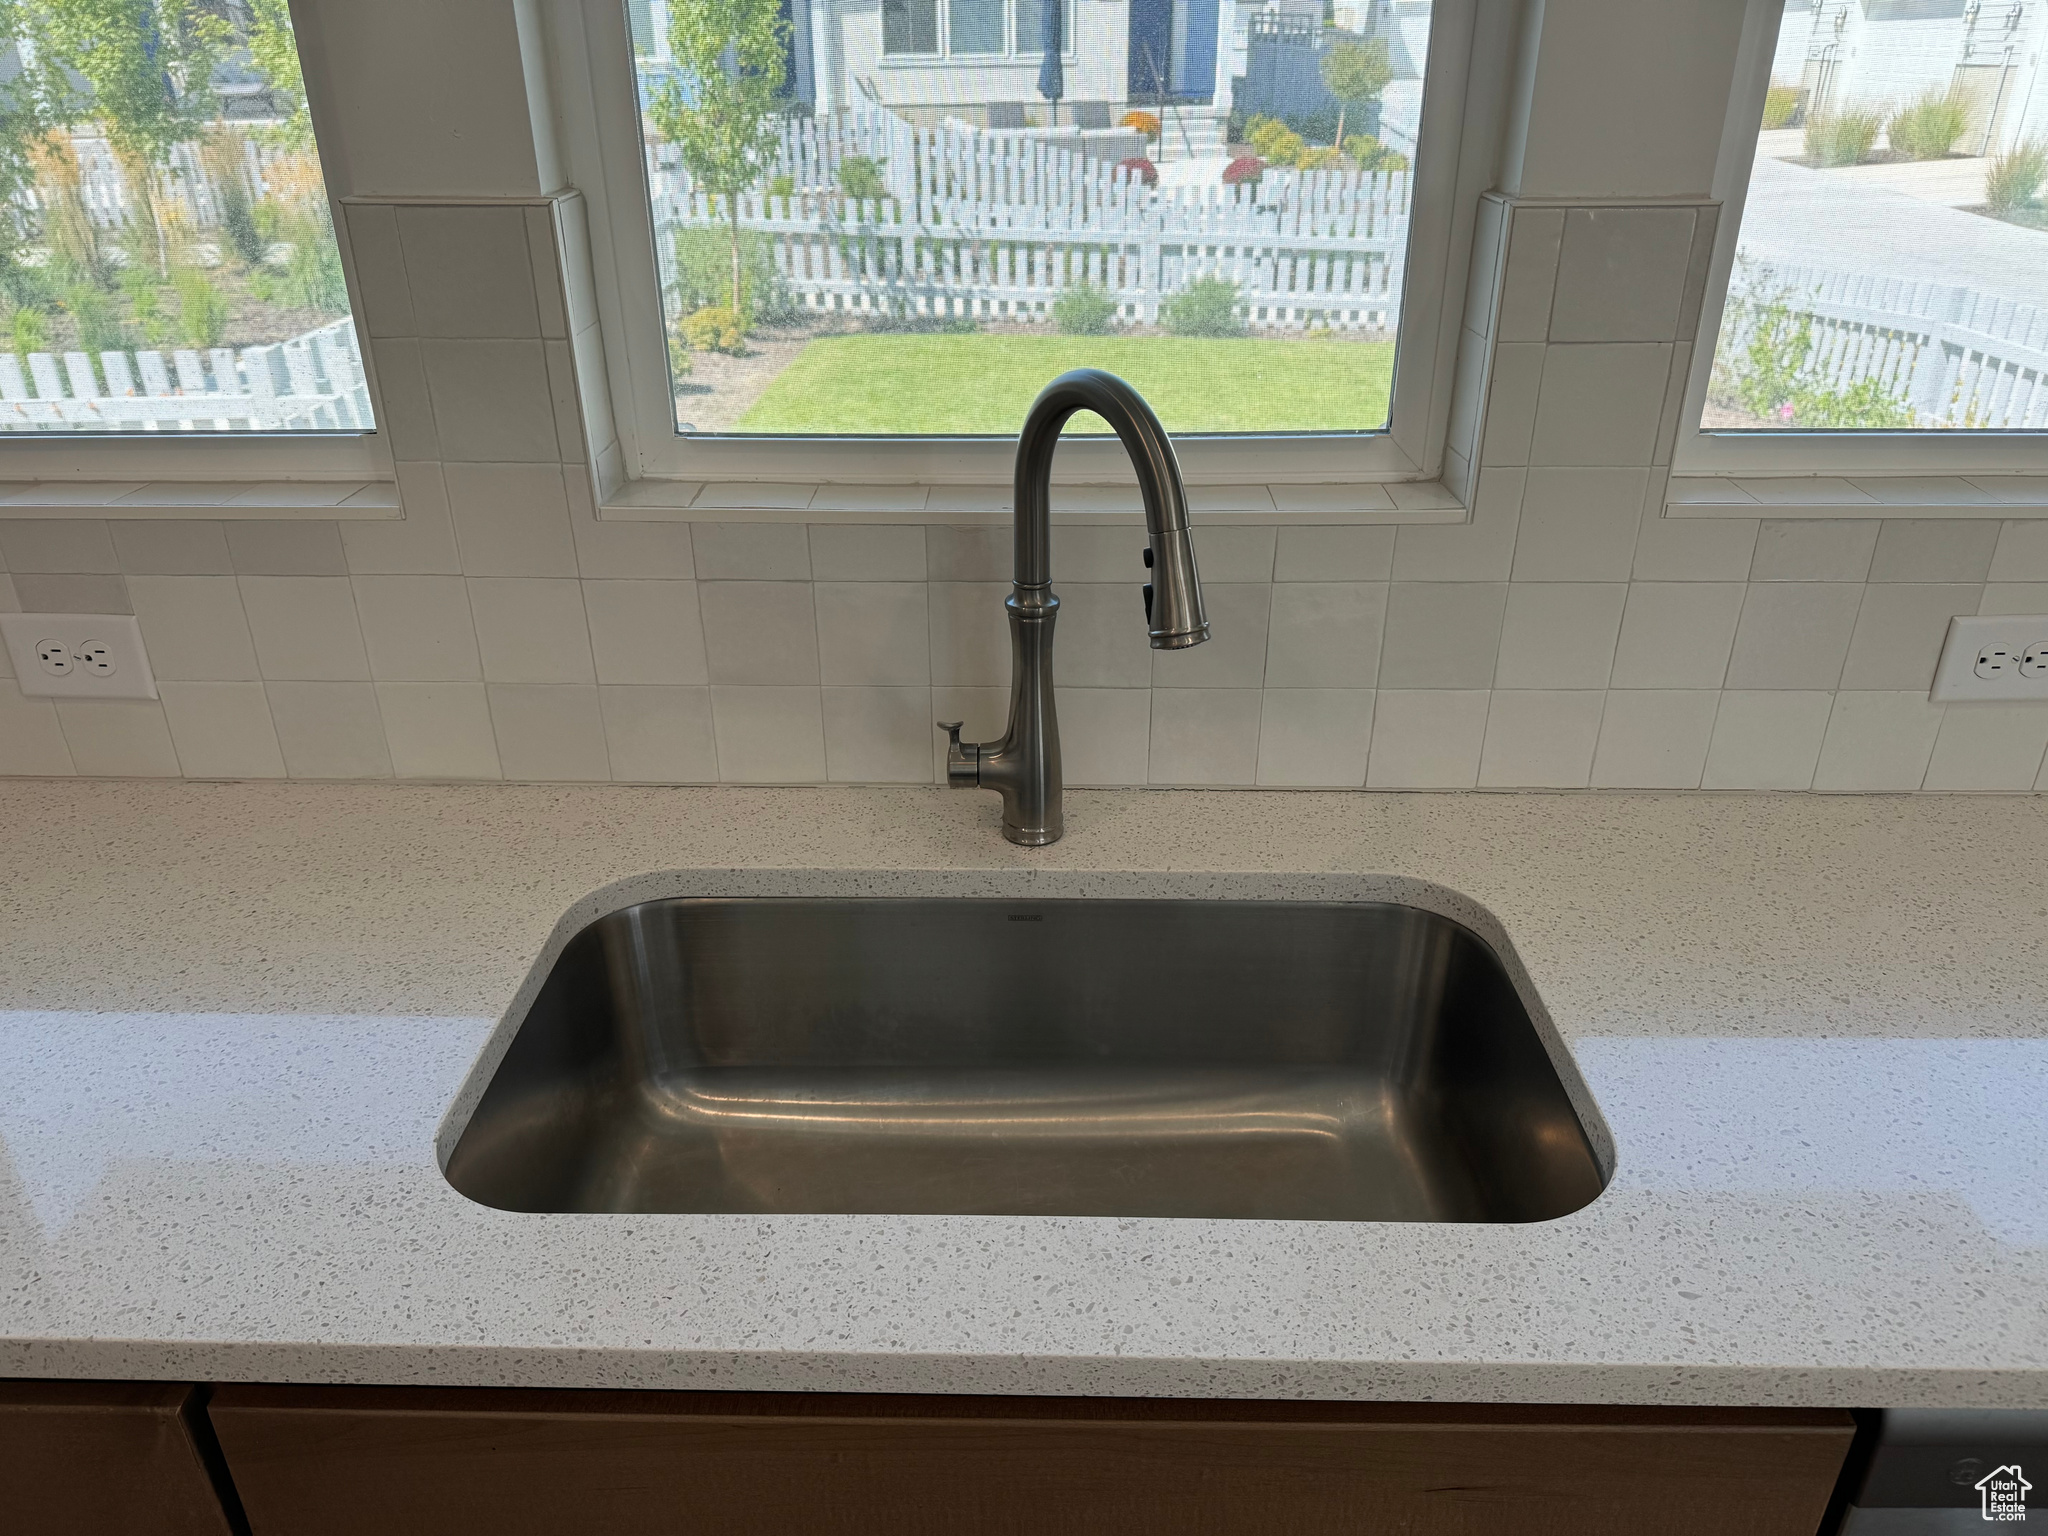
{"x":1997,"y":658}
{"x":78,"y":655}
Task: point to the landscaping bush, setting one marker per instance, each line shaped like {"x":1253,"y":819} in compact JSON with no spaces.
{"x":99,"y":324}
{"x":1781,"y":106}
{"x":704,"y":276}
{"x":202,"y":310}
{"x":1275,"y":142}
{"x":1083,"y":310}
{"x":146,"y":303}
{"x":1142,"y":123}
{"x":714,"y":328}
{"x":1319,"y":157}
{"x":1372,"y":155}
{"x":2013,"y":179}
{"x":1841,"y":138}
{"x":1774,"y":376}
{"x":1143,"y":169}
{"x":1206,"y":307}
{"x":860,"y":178}
{"x":782,"y":186}
{"x":31,"y":333}
{"x":1927,"y":127}
{"x":1244,"y":170}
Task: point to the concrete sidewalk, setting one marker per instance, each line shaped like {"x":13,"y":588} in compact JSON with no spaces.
{"x":1848,"y":221}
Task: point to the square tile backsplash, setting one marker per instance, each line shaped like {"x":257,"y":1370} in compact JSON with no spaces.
{"x":1568,"y":636}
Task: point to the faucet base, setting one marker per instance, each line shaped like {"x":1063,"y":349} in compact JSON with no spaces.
{"x":1032,"y":837}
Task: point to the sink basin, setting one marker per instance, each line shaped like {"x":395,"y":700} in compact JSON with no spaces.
{"x":1321,"y":1062}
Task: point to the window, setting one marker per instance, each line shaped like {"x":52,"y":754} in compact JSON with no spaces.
{"x":898,"y":232}
{"x":1885,"y":244}
{"x":908,"y":26}
{"x":975,"y":26}
{"x":168,"y":262}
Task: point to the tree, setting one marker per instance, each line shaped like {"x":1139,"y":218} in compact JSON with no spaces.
{"x":1356,"y":73}
{"x":24,"y":124}
{"x":722,"y":116}
{"x":274,"y":50}
{"x":147,"y":66}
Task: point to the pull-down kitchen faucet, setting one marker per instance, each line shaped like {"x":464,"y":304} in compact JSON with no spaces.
{"x":1024,"y":766}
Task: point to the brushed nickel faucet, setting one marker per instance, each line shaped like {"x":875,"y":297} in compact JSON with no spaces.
{"x":1024,"y":765}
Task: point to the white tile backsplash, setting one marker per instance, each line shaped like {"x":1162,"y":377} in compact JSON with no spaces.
{"x":549,"y":731}
{"x":873,"y":634}
{"x":1542,"y":738}
{"x":418,"y":629}
{"x":1315,"y":737}
{"x":759,"y":632}
{"x":1442,"y":635}
{"x":1566,"y":634}
{"x":1325,"y":634}
{"x":1426,"y":738}
{"x":1654,"y":739}
{"x":659,"y":734}
{"x":878,"y":735}
{"x":1559,"y":634}
{"x":531,"y":630}
{"x":222,"y":730}
{"x":1766,"y":740}
{"x":439,"y":730}
{"x":646,"y":631}
{"x":1878,"y":740}
{"x":31,"y":739}
{"x":1205,"y":735}
{"x":118,"y":738}
{"x":769,"y":735}
{"x":304,"y":627}
{"x":329,"y":730}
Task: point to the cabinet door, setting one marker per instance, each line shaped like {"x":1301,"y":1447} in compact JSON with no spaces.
{"x":89,"y":1458}
{"x":338,"y":1461}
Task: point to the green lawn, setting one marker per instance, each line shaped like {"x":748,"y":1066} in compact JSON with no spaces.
{"x":986,"y":383}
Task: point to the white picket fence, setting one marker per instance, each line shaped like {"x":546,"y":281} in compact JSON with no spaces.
{"x":991,"y":226}
{"x":184,"y":184}
{"x":1958,"y":357}
{"x":311,"y":382}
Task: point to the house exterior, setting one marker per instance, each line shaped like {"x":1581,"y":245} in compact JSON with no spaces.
{"x":1883,"y":53}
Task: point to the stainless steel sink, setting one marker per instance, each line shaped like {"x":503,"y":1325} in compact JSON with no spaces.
{"x":1332,"y":1062}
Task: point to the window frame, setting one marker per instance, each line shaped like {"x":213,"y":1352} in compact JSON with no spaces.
{"x":229,"y":457}
{"x":1702,"y":453}
{"x":1464,"y":99}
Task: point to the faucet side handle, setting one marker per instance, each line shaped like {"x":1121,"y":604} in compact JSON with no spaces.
{"x":963,"y":759}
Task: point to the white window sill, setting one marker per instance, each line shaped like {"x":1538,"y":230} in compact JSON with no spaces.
{"x":1820,"y":496}
{"x":688,"y":501}
{"x":334,"y":500}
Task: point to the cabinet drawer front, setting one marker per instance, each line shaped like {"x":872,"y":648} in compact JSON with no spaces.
{"x":329,"y":1461}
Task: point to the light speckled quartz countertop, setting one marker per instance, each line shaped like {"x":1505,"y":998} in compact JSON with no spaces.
{"x":232,"y":1018}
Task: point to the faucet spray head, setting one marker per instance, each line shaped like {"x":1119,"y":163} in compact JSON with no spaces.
{"x":1173,"y":598}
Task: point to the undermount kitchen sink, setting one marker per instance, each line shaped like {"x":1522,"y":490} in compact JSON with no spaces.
{"x":1328,"y":1061}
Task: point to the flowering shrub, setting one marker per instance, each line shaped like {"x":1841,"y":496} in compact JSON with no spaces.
{"x":1141,"y":168}
{"x":1142,"y":122}
{"x":1245,"y":168}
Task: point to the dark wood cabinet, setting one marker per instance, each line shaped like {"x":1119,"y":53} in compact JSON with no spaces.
{"x":338,"y":1461}
{"x":97,"y":1458}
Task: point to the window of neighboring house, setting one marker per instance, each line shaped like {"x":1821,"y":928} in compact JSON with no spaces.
{"x":974,"y":26}
{"x":908,"y":26}
{"x":918,"y":250}
{"x":168,"y":260}
{"x":1886,"y":244}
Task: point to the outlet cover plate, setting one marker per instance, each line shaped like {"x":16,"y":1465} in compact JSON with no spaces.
{"x":130,"y":678}
{"x":1956,"y":679}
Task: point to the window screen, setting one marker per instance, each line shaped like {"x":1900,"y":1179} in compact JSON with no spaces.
{"x":875,"y":230}
{"x":167,"y":254}
{"x":1892,"y":266}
